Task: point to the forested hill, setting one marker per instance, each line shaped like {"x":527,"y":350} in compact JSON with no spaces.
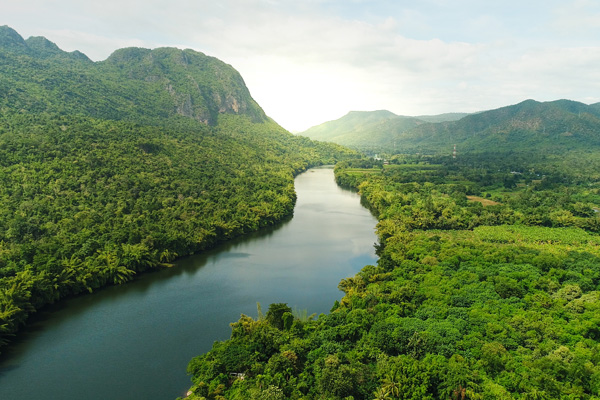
{"x":372,"y":130}
{"x":347,"y":127}
{"x":133,"y":83}
{"x":548,"y":127}
{"x":554,"y":126}
{"x":111,"y":168}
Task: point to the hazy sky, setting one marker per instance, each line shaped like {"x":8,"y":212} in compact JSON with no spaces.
{"x":310,"y":61}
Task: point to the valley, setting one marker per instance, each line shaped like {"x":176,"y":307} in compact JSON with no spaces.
{"x":467,"y":300}
{"x":136,"y":339}
{"x":485,"y":277}
{"x":105,"y":174}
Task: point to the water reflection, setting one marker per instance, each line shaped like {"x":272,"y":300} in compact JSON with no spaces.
{"x":136,"y":340}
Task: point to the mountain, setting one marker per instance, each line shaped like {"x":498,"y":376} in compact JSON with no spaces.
{"x":595,"y":107}
{"x":133,"y":83}
{"x":365,"y":130}
{"x":371,"y":130}
{"x":345,"y":126}
{"x":553,"y":126}
{"x":442,"y":117}
{"x":10,"y":40}
{"x":528,"y":126}
{"x":36,"y":46}
{"x":112,"y":168}
{"x":185,"y":82}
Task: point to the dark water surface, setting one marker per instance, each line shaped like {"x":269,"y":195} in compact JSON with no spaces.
{"x":134,"y":341}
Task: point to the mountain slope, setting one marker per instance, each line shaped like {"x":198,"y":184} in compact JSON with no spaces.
{"x":353,"y":121}
{"x":362,"y":129}
{"x":528,"y":126}
{"x":554,"y":126}
{"x":442,"y":117}
{"x":109,"y":169}
{"x":133,"y":84}
{"x":371,"y":130}
{"x":186,"y":82}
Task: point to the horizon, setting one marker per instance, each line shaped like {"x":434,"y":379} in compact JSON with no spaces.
{"x":309,"y":62}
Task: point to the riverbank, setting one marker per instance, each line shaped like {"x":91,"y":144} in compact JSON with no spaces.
{"x":138,"y":338}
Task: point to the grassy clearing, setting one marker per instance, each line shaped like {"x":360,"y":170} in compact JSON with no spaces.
{"x":485,"y":202}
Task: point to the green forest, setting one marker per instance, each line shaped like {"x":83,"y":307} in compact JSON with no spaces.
{"x":488,"y":279}
{"x":552,"y":126}
{"x":105,"y":172}
{"x":487,"y":287}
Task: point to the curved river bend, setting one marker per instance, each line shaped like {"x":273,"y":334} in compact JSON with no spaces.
{"x":134,"y":341}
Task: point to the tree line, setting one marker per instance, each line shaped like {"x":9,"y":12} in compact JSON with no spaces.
{"x":467,"y":301}
{"x":87,"y":202}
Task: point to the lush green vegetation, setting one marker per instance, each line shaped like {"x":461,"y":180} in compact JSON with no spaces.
{"x":488,"y":282}
{"x":107,"y":169}
{"x":549,"y":127}
{"x":372,"y":131}
{"x":466,"y":302}
{"x":134,"y":84}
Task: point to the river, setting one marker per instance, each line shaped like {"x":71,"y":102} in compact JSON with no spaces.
{"x":134,"y":341}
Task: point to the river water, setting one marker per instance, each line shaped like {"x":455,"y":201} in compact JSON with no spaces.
{"x":134,"y":341}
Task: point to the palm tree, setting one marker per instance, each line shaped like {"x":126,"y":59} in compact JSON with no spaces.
{"x":120,"y":274}
{"x":390,"y":384}
{"x":381,"y":394}
{"x":167,"y":256}
{"x":139,"y":255}
{"x":111,"y":268}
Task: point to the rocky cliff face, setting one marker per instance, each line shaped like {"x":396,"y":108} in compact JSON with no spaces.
{"x":131,"y":83}
{"x":199,"y":86}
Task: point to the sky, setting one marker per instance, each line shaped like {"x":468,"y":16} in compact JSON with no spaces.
{"x":311,"y":61}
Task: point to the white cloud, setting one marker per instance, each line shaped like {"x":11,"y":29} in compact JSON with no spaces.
{"x":309,"y":61}
{"x":326,"y":67}
{"x":102,"y":45}
{"x":577,"y":17}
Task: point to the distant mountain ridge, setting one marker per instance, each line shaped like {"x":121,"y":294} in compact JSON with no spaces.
{"x":451,"y":116}
{"x":526,"y":126}
{"x":345,"y":126}
{"x":371,"y":130}
{"x":35,"y":46}
{"x":133,"y":83}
